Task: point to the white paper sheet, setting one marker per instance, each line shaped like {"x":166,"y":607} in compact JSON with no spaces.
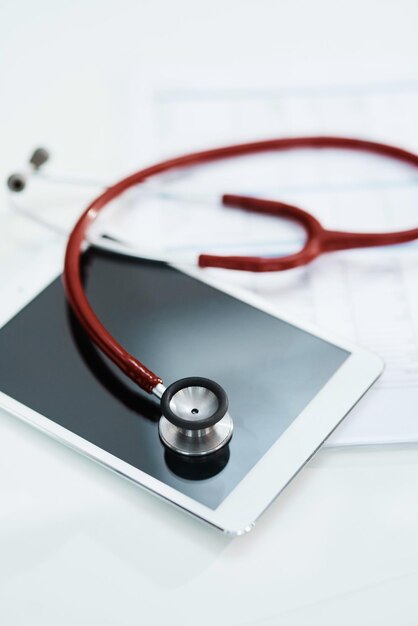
{"x":367,"y":296}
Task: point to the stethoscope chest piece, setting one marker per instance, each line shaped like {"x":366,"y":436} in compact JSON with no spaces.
{"x":195,"y":419}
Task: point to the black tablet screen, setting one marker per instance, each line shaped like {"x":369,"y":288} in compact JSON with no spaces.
{"x":178,"y":326}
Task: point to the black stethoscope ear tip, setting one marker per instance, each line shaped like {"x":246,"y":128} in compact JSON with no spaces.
{"x":16,"y":182}
{"x":195,"y":419}
{"x":39,"y":157}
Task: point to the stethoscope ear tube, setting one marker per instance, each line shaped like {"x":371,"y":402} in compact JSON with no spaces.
{"x":130,"y":365}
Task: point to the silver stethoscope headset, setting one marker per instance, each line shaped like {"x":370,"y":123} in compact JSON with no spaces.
{"x":195,"y":421}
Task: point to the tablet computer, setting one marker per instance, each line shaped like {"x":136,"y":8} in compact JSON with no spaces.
{"x":289,"y":386}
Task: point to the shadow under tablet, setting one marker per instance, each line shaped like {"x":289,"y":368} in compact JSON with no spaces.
{"x":178,"y":327}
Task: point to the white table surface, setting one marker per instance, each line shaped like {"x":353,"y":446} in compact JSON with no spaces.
{"x":79,"y":545}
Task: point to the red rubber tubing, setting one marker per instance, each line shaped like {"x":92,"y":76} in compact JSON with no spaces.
{"x":319,"y":239}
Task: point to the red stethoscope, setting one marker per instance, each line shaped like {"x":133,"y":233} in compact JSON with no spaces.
{"x":195,"y":419}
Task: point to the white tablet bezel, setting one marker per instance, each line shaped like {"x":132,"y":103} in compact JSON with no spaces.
{"x":247,"y":501}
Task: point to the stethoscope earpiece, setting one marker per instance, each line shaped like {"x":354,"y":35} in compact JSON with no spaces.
{"x":17,"y":181}
{"x":195,"y":419}
{"x":39,"y":157}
